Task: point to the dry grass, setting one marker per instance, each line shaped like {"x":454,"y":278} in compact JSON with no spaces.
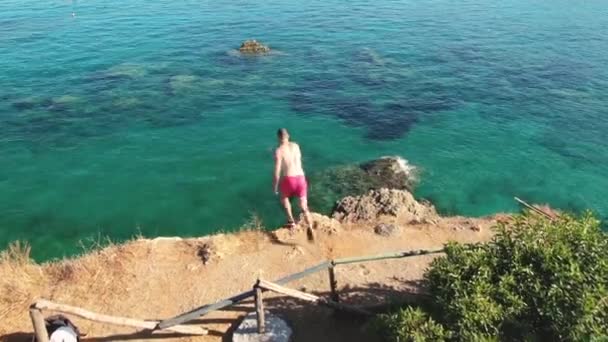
{"x":98,"y":270}
{"x":17,"y":252}
{"x":254,"y":223}
{"x":254,"y":231}
{"x":20,"y":278}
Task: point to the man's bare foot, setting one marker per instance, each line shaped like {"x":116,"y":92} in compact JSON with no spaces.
{"x":310,"y":234}
{"x":291,"y":227}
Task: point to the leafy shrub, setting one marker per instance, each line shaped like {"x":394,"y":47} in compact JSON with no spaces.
{"x":536,"y":280}
{"x":411,"y":325}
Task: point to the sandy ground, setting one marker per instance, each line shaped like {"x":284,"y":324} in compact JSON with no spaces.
{"x":160,"y":278}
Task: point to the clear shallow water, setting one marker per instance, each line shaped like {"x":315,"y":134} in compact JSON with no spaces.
{"x":138,"y":117}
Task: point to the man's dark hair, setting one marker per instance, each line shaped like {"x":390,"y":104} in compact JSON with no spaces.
{"x":282,"y":133}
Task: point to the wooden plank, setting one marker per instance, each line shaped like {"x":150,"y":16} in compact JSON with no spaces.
{"x":205,"y":309}
{"x":123,"y":321}
{"x":387,"y":256}
{"x":39,"y":325}
{"x":310,"y":298}
{"x":259,"y":309}
{"x":299,"y":275}
{"x":287,"y":291}
{"x":533,"y":208}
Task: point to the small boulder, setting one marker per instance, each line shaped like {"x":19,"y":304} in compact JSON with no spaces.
{"x":386,"y":230}
{"x":253,"y":47}
{"x":276,"y":330}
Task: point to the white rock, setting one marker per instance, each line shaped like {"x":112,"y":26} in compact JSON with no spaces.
{"x":276,"y":330}
{"x":63,"y":334}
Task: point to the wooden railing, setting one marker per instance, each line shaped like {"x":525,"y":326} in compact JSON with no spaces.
{"x":277,"y":286}
{"x":175,"y":324}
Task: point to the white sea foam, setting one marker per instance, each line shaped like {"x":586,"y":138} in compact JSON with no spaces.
{"x":408,"y":169}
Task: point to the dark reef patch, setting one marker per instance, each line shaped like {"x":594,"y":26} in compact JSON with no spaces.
{"x":24,"y":105}
{"x":372,"y":92}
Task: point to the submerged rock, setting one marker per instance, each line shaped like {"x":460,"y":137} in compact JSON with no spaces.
{"x":67,"y":100}
{"x":126,"y":70}
{"x":376,"y":203}
{"x":127,"y":102}
{"x":253,"y":47}
{"x":182,"y":83}
{"x":370,"y":56}
{"x":56,"y":104}
{"x":25,"y":104}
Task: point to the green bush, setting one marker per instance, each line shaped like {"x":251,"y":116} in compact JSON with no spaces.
{"x":411,"y":325}
{"x":536,"y":280}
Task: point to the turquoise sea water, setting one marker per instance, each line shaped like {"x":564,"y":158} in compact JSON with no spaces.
{"x":139,"y":117}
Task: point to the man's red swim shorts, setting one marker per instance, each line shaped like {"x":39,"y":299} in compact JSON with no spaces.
{"x":294,"y":186}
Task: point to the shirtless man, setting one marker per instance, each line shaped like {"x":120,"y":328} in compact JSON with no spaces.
{"x":288,"y":159}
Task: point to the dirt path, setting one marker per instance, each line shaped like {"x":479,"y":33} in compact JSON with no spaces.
{"x":160,"y":278}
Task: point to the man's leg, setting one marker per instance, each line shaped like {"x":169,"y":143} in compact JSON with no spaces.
{"x":307,"y":217}
{"x":287,"y":206}
{"x":305,"y":211}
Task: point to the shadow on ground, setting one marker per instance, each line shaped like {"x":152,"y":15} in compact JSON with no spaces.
{"x":311,"y":322}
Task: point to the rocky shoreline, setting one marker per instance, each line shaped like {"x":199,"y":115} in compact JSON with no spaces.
{"x":181,"y":273}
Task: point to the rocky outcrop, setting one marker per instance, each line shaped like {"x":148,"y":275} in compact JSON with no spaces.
{"x":386,"y":230}
{"x":389,"y":202}
{"x":253,"y":47}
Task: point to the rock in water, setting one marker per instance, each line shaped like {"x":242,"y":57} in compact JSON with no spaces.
{"x":392,"y":172}
{"x":353,"y":180}
{"x":277,"y":330}
{"x":253,"y":47}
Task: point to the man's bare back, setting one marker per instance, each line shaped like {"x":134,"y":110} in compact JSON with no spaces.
{"x":288,"y":162}
{"x":290,"y":159}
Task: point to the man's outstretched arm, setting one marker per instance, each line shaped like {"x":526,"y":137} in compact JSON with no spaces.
{"x":277,"y":172}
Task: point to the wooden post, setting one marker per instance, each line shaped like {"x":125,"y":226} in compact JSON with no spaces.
{"x":259,"y":309}
{"x":39,"y":325}
{"x":333,"y":284}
